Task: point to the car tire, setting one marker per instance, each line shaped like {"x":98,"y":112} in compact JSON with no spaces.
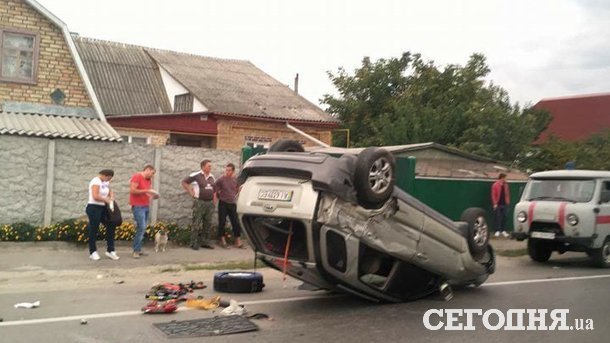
{"x":538,"y":251}
{"x":238,"y":282}
{"x":286,"y":145}
{"x":601,"y":256}
{"x":374,"y":177}
{"x":477,"y":232}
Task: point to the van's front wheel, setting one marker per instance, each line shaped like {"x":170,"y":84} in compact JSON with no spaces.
{"x":601,"y":256}
{"x":538,"y":251}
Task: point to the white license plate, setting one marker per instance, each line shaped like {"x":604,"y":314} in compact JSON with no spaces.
{"x":275,"y":194}
{"x":543,"y":235}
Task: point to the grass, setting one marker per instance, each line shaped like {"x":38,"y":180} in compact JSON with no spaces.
{"x":512,"y":253}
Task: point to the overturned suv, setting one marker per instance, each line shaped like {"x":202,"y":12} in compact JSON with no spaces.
{"x":341,"y":224}
{"x":566,"y":210}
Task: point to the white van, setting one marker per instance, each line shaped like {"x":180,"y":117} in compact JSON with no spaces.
{"x":566,"y":210}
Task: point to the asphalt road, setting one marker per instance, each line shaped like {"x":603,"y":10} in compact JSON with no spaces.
{"x":112,"y":309}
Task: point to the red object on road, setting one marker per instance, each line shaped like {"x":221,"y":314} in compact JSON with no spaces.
{"x":156,"y":307}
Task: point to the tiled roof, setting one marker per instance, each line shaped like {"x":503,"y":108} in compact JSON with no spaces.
{"x":50,"y":126}
{"x":576,"y":118}
{"x":125,"y":79}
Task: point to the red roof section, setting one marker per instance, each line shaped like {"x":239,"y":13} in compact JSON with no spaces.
{"x":576,"y":118}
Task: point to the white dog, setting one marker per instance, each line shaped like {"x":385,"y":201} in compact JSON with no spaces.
{"x":161,"y":240}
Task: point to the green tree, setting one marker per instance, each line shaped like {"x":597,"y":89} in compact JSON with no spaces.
{"x":409,"y":100}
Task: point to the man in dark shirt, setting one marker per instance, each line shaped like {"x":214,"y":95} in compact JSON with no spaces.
{"x":203,"y":205}
{"x":226,"y":191}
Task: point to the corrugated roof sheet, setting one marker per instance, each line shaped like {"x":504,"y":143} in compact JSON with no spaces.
{"x":50,"y":126}
{"x":576,"y":118}
{"x":233,"y":86}
{"x":125,"y":79}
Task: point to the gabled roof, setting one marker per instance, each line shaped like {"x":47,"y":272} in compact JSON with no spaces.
{"x":576,"y":118}
{"x":53,"y":126}
{"x":75,"y":56}
{"x":125,"y":78}
{"x":239,"y":87}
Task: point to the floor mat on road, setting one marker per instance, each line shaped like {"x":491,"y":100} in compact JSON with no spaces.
{"x":207,"y":327}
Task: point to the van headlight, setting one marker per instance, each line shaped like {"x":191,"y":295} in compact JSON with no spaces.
{"x":521,"y":217}
{"x":572,"y":219}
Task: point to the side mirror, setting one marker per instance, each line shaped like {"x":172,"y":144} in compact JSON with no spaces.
{"x":605,"y":197}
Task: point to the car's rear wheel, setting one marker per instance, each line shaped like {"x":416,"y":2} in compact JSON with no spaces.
{"x":539,"y":251}
{"x":601,"y":256}
{"x":286,"y":145}
{"x":478,"y":231}
{"x":374,"y":178}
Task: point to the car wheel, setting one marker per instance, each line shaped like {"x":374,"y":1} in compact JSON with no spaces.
{"x":601,"y":256}
{"x":538,"y":251}
{"x":286,"y":145}
{"x":238,"y":282}
{"x":374,"y":178}
{"x":478,"y":231}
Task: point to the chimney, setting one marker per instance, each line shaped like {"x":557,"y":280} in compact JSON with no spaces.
{"x":296,"y":84}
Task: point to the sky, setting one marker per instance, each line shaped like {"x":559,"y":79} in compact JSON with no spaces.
{"x":535,"y":48}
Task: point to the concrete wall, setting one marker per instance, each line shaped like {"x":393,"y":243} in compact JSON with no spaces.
{"x":29,"y":166}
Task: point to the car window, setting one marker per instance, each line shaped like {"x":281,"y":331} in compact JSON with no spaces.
{"x":561,"y":190}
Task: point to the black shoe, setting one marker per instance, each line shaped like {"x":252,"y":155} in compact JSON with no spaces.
{"x":194,"y":247}
{"x":207,"y":246}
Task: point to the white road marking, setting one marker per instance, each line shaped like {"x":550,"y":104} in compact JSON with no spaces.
{"x":517,"y":282}
{"x":269,"y":301}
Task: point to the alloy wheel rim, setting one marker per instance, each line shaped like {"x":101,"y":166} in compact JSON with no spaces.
{"x":380,"y":175}
{"x":480,"y":231}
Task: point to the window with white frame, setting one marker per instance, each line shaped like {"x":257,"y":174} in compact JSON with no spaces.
{"x":136,"y":139}
{"x":18,"y":56}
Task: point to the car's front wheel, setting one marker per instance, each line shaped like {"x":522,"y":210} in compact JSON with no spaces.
{"x":374,"y":178}
{"x":478,"y":231}
{"x":601,"y":256}
{"x":538,"y":251}
{"x":286,"y":145}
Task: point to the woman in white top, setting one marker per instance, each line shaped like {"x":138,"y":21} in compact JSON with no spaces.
{"x":100,"y":195}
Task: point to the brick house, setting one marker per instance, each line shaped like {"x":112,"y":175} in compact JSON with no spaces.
{"x":44,"y":89}
{"x":576,"y":118}
{"x":165,"y":97}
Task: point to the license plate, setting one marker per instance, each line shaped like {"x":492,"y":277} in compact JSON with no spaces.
{"x":274,"y":194}
{"x":543,"y":235}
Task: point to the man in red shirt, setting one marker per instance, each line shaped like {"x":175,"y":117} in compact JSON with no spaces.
{"x":500,"y":199}
{"x":140,"y":194}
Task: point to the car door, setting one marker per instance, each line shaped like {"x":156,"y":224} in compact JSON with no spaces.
{"x":602,"y":219}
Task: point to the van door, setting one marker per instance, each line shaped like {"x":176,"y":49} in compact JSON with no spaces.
{"x":602,"y":220}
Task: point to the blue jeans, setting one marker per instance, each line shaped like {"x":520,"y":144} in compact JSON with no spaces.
{"x":98,"y":214}
{"x":140,"y":215}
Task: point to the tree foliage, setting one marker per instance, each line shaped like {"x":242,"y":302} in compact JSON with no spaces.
{"x":554,"y":153}
{"x":409,"y":100}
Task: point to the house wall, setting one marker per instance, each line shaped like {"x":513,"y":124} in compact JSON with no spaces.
{"x":30,"y":164}
{"x":232,"y":133}
{"x":56,"y":69}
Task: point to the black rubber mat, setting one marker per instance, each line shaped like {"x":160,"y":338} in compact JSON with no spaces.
{"x":207,"y":327}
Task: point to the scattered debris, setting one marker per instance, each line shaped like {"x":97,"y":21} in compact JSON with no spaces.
{"x":259,"y":316}
{"x":118,"y":282}
{"x":28,"y":305}
{"x":83,"y":321}
{"x":167,"y":290}
{"x":204,"y":304}
{"x":207,"y":327}
{"x":233,"y":309}
{"x":160,"y":307}
{"x":100,"y":276}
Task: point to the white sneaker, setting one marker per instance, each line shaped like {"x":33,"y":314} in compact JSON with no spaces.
{"x":94,"y":256}
{"x":505,"y":234}
{"x":112,"y":255}
{"x":497,"y":234}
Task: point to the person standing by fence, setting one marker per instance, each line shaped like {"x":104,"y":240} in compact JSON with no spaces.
{"x":226,"y":191}
{"x":140,"y":194}
{"x":100,"y":196}
{"x":203,"y":205}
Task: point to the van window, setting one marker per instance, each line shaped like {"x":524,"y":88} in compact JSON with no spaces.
{"x":561,"y":190}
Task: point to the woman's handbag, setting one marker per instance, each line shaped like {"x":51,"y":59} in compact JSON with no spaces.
{"x":114,"y":214}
